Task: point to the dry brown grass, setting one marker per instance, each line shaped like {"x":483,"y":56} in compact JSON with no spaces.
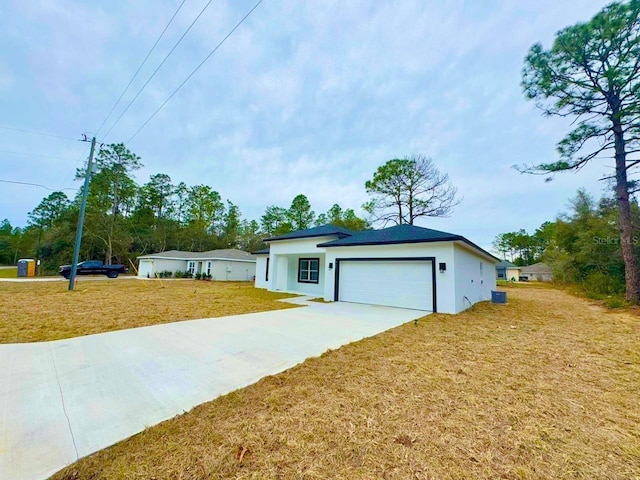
{"x":41,"y":311}
{"x":318,"y":300}
{"x":546,"y":387}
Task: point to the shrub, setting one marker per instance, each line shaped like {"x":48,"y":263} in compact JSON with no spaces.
{"x":198,"y":276}
{"x":615,"y":301}
{"x":178,"y":274}
{"x":598,"y":285}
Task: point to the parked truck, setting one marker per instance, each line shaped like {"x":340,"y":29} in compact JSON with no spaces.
{"x":93,"y":267}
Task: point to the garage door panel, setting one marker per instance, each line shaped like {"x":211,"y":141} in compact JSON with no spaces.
{"x":406,"y":284}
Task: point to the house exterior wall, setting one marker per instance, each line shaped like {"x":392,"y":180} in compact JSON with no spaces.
{"x":151,"y":266}
{"x":239,"y":271}
{"x":442,"y":251}
{"x":475,"y":277}
{"x":145,"y":268}
{"x":283,"y":264}
{"x":261,"y":271}
{"x":513,"y":273}
{"x":539,"y":276}
{"x":462,"y":282}
{"x":294,"y":285}
{"x":230,"y":270}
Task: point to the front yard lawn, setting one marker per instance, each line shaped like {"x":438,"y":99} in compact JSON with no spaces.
{"x":544,"y":387}
{"x":41,"y":311}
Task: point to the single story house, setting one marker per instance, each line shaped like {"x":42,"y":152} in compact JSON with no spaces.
{"x":506,"y":270}
{"x":540,"y":272}
{"x":402,"y":266}
{"x":225,"y":264}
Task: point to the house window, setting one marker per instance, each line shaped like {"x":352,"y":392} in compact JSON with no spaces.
{"x":191,"y":267}
{"x":208,"y":268}
{"x":266,"y":275}
{"x":308,"y":270}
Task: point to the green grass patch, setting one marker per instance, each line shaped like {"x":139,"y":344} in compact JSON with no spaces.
{"x":11,"y":272}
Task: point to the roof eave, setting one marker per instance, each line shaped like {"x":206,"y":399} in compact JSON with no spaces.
{"x":452,"y":238}
{"x":315,"y":235}
{"x":392,"y":242}
{"x":193,"y":259}
{"x":481,"y":250}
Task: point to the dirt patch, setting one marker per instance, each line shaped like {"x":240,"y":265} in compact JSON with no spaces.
{"x":41,"y":311}
{"x":544,"y":387}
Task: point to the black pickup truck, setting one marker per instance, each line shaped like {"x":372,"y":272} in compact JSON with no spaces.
{"x":93,"y":267}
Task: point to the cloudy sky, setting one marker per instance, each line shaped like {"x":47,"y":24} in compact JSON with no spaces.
{"x":305,"y":97}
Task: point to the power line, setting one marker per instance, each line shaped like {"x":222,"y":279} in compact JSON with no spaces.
{"x":35,"y":155}
{"x":84,"y":152}
{"x":156,"y":70}
{"x":35,"y":185}
{"x":32,"y":132}
{"x":75,"y":165}
{"x":195,"y":70}
{"x":140,"y":67}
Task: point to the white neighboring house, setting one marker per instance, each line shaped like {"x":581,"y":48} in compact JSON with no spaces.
{"x":506,"y":270}
{"x":226,"y":265}
{"x":540,"y":272}
{"x":403,"y":266}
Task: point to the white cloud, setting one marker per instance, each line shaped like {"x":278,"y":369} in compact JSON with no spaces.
{"x":306,"y":97}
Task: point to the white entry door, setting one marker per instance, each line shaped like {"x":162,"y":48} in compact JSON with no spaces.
{"x":394,"y":283}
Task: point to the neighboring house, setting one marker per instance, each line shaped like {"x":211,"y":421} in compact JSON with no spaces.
{"x":402,"y":266}
{"x":227,"y":264}
{"x":506,"y":270}
{"x":538,"y":271}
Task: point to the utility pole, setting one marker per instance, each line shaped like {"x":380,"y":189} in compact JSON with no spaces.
{"x":83,"y":206}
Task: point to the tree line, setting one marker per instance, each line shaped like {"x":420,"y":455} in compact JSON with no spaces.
{"x":582,"y":246}
{"x":124,"y":220}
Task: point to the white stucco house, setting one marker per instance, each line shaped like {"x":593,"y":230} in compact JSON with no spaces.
{"x":226,"y":264}
{"x":402,"y":266}
{"x":540,"y":272}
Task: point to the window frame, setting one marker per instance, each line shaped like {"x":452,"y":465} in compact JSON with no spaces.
{"x":266,"y":275}
{"x":309,"y":270}
{"x":191,"y":267}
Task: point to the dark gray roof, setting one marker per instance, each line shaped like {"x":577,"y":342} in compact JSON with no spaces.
{"x":322,"y":231}
{"x":400,"y":234}
{"x":264,"y":251}
{"x":537,"y":268}
{"x":221,"y":254}
{"x":506,"y":263}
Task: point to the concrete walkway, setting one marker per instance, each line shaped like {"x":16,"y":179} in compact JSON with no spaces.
{"x":65,"y":399}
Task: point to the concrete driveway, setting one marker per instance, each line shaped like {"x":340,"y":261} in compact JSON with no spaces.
{"x":65,"y":399}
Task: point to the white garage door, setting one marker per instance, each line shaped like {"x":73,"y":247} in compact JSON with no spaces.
{"x":394,"y":283}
